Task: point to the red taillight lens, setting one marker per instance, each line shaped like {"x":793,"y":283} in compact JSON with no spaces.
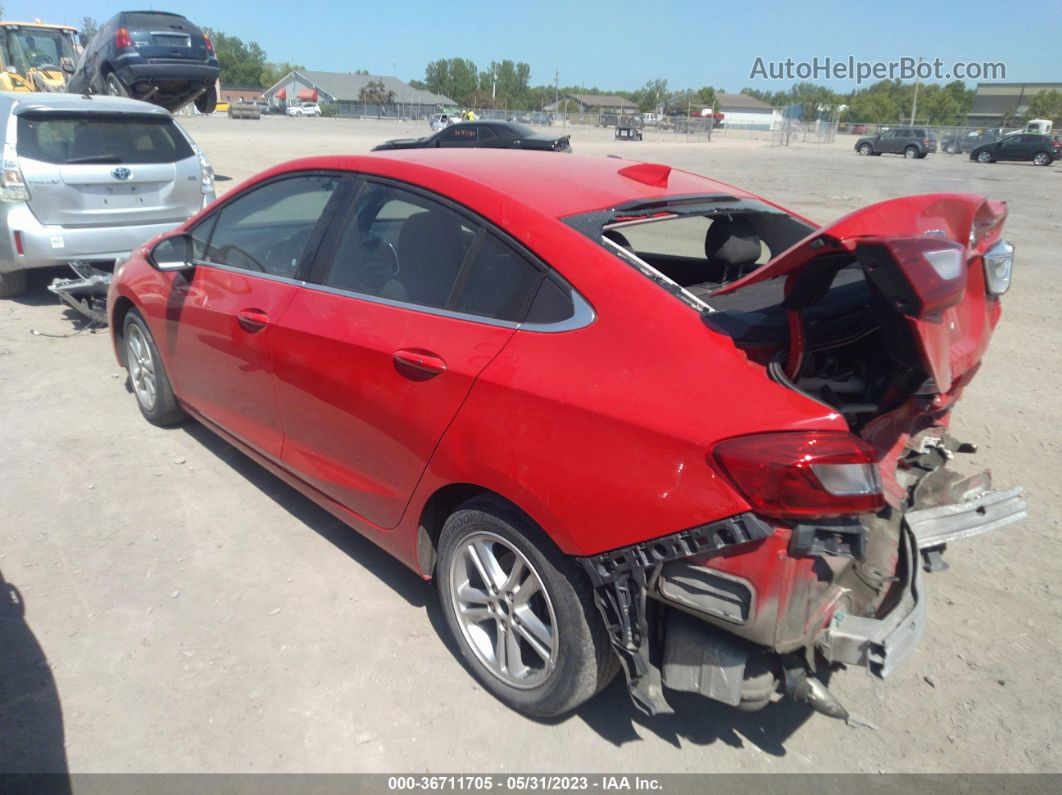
{"x":18,"y":243}
{"x":797,"y":474}
{"x":920,"y":275}
{"x":209,"y":44}
{"x":122,"y":39}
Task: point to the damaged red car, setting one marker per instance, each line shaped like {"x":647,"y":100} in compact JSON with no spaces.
{"x":627,"y":417}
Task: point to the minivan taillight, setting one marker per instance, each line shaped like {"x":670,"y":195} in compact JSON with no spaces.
{"x":794,"y":474}
{"x":13,"y":186}
{"x":122,"y":39}
{"x":209,"y":44}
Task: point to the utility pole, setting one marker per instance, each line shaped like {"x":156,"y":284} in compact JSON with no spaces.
{"x":556,"y":87}
{"x":914,"y":100}
{"x":493,"y":84}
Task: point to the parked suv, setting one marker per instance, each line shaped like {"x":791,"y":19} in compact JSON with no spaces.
{"x":304,"y":109}
{"x":90,"y":179}
{"x":151,"y":55}
{"x":911,"y":142}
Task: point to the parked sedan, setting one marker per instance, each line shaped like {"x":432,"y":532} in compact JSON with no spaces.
{"x":578,"y":394}
{"x":1043,"y":150}
{"x":911,"y":142}
{"x":90,"y":179}
{"x":156,"y":56}
{"x":486,"y":134}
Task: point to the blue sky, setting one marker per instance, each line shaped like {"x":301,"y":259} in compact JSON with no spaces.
{"x":618,"y":44}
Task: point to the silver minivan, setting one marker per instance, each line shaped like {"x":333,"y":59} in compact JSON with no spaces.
{"x":89,"y":179}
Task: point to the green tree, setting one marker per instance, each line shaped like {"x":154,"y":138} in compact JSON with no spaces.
{"x":241,"y":63}
{"x":272,"y":72}
{"x":89,"y":28}
{"x":456,"y":78}
{"x":1046,"y":105}
{"x":376,"y":93}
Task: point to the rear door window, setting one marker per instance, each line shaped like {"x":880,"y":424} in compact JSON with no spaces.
{"x":73,"y":138}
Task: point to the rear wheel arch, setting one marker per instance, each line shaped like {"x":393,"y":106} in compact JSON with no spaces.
{"x":122,"y":305}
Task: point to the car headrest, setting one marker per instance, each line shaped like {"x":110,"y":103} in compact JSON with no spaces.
{"x":618,"y":238}
{"x":731,"y":240}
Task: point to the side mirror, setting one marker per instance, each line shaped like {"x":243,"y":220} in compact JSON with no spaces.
{"x":66,"y":65}
{"x":173,"y":253}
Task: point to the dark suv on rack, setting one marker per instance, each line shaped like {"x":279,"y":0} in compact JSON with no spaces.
{"x":911,"y":142}
{"x":156,"y":56}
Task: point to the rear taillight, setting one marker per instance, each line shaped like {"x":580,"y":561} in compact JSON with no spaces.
{"x":999,"y":265}
{"x":122,"y":39}
{"x":920,"y":275}
{"x":209,"y":44}
{"x":798,"y":474}
{"x":12,"y":185}
{"x":18,"y":243}
{"x":206,"y":174}
{"x":925,"y":142}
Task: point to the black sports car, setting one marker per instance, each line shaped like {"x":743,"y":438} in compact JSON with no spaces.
{"x":493,"y":134}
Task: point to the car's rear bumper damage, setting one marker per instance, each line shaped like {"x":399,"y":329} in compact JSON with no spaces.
{"x":698,"y":632}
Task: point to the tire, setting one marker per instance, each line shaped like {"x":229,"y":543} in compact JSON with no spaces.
{"x":1042,"y":159}
{"x":113,"y":86}
{"x":207,"y":102}
{"x":910,"y":152}
{"x":12,"y":283}
{"x":985,"y":157}
{"x":147,"y":375}
{"x":865,"y":149}
{"x":574,"y":660}
{"x":950,"y":149}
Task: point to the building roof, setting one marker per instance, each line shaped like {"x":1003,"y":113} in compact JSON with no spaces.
{"x":346,"y":87}
{"x":602,"y":100}
{"x":725,"y":101}
{"x":997,"y":99}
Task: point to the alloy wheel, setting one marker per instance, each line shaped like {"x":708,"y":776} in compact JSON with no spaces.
{"x":141,"y":367}
{"x":984,"y":157}
{"x":504,"y":612}
{"x":1041,"y":159}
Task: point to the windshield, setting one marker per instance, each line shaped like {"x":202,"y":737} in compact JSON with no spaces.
{"x":27,"y":47}
{"x":71,"y":138}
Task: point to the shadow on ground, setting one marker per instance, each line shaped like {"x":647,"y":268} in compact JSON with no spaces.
{"x":611,"y":714}
{"x":31,"y":717}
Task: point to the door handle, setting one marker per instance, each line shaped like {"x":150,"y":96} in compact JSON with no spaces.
{"x":253,"y":319}
{"x":419,"y":363}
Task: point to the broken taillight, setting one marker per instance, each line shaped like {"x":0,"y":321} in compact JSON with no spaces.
{"x":803,"y":474}
{"x":918,"y":275}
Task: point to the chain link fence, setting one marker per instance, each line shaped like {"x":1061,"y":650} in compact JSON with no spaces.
{"x":951,"y":139}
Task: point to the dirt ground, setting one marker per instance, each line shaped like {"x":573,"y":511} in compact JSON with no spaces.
{"x":173,"y":607}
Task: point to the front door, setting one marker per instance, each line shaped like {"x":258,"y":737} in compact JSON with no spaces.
{"x":221,"y":315}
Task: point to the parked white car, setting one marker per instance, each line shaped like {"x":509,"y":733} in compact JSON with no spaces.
{"x":90,"y":178}
{"x":441,"y":121}
{"x":304,"y":109}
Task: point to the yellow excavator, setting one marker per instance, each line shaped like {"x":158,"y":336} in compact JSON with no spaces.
{"x":36,"y":56}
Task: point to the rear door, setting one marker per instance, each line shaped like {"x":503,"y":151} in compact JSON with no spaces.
{"x":372,"y":365}
{"x":221,"y":316}
{"x":107,"y":169}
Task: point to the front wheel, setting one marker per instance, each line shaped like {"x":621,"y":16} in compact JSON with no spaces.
{"x":866,"y":149}
{"x":522,"y":613}
{"x":910,"y":152}
{"x":151,"y":384}
{"x":1042,"y":159}
{"x":984,"y":157}
{"x":12,"y":283}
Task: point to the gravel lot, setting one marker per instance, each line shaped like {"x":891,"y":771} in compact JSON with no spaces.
{"x":186,"y":611}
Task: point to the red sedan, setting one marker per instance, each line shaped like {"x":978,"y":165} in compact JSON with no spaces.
{"x":624,"y":415}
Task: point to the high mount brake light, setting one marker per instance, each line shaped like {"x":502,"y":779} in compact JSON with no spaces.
{"x":920,"y":275}
{"x":803,"y":474}
{"x":122,"y":39}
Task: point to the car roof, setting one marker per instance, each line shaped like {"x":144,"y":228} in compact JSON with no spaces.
{"x":556,"y":184}
{"x":25,"y":102}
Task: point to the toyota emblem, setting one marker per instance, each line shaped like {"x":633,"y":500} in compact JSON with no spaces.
{"x":121,"y":173}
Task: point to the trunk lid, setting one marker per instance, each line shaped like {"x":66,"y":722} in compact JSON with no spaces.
{"x":93,"y":169}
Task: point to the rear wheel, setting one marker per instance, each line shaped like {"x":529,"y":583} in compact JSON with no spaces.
{"x":151,"y":384}
{"x":910,"y":152}
{"x":522,"y":613}
{"x":985,"y":157}
{"x":114,"y":86}
{"x":12,"y":283}
{"x":207,"y":101}
{"x":1042,"y":159}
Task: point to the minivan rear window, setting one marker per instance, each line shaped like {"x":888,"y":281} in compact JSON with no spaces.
{"x":159,"y":22}
{"x":87,"y":138}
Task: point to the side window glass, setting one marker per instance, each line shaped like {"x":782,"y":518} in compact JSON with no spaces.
{"x":402,"y":246}
{"x":201,"y":235}
{"x":487,"y":134}
{"x":551,"y":305}
{"x":267,"y":230}
{"x":498,"y":283}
